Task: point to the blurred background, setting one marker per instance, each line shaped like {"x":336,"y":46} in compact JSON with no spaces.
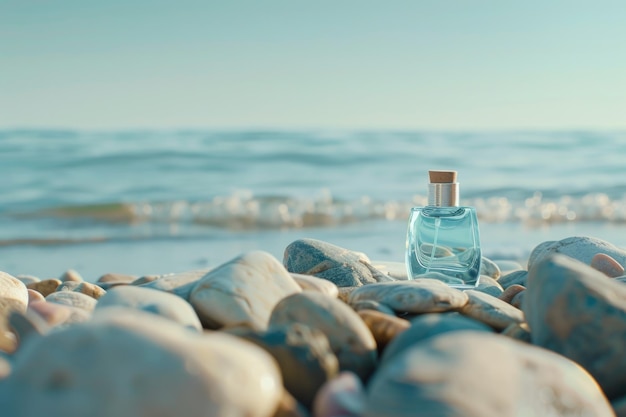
{"x":148,"y":137}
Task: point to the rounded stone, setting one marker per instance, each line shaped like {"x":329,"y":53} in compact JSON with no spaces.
{"x":581,"y":248}
{"x":180,"y":284}
{"x":92,"y":290}
{"x":343,"y":267}
{"x":28,"y":279}
{"x":384,"y":327}
{"x":422,"y":295}
{"x":304,"y":356}
{"x":489,"y":286}
{"x":508,"y":294}
{"x":396,"y":270}
{"x":344,"y":293}
{"x":59,"y":314}
{"x":372,"y":305}
{"x":514,"y":278}
{"x":607,"y":265}
{"x":489,"y":268}
{"x":518,"y":331}
{"x":242,"y":291}
{"x":73,"y":299}
{"x":146,"y":279}
{"x":13,"y":297}
{"x":312,"y":283}
{"x":429,"y":325}
{"x":12,"y":288}
{"x":45,"y":287}
{"x":349,"y":337}
{"x":518,"y":299}
{"x":140,"y":365}
{"x":490,"y":310}
{"x":478,"y":374}
{"x":28,"y":324}
{"x":574,"y":310}
{"x":152,"y":301}
{"x":34,"y":296}
{"x":342,"y":396}
{"x":115,"y":277}
{"x":71,"y":275}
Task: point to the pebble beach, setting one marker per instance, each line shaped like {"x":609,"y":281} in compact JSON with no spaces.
{"x":325,"y":331}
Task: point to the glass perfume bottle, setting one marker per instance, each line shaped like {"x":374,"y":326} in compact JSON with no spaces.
{"x":443,"y":240}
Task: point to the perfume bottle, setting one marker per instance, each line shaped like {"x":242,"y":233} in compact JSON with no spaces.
{"x":443,"y":240}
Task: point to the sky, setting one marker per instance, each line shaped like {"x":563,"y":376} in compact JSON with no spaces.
{"x":355,"y":64}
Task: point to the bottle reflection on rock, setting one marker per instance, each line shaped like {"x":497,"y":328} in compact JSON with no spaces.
{"x":443,"y":239}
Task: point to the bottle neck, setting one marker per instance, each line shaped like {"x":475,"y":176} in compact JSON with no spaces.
{"x":443,"y":194}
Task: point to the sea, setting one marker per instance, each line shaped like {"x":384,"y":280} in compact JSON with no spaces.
{"x":148,"y":202}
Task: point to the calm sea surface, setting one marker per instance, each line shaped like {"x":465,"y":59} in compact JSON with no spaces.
{"x":147,"y":202}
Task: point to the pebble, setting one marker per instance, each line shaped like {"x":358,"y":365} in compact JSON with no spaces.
{"x":514,"y":278}
{"x":489,"y":268}
{"x":372,"y":305}
{"x":479,"y":374}
{"x":344,"y":293}
{"x":14,"y":290}
{"x":180,"y":284}
{"x":92,"y":290}
{"x":384,"y":327}
{"x":152,"y":301}
{"x":13,"y":297}
{"x":582,"y":248}
{"x":577,"y":312}
{"x":607,"y":265}
{"x":27,"y":324}
{"x":490,"y":310}
{"x":518,"y":299}
{"x":395,"y":270}
{"x":429,"y":325}
{"x":106,"y":286}
{"x":242,"y":291}
{"x":139,"y":364}
{"x":45,"y":287}
{"x":343,"y":396}
{"x":73,"y":299}
{"x":59,"y":314}
{"x":349,"y":337}
{"x":71,"y":275}
{"x":489,"y":286}
{"x":149,"y":278}
{"x":510,"y":292}
{"x":304,"y":356}
{"x":420,"y":295}
{"x":311,"y":283}
{"x":343,"y":267}
{"x":518,"y":331}
{"x":115,"y":277}
{"x":28,"y":279}
{"x":34,"y":296}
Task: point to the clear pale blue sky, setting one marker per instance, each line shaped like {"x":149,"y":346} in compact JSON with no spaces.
{"x":299,"y":64}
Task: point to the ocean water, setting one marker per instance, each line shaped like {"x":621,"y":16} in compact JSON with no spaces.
{"x":149,"y":202}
